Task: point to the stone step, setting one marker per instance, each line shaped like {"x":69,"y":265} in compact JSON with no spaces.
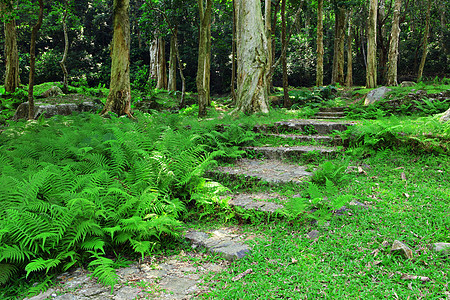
{"x":331,"y":113}
{"x":223,"y":242}
{"x":268,"y":170}
{"x":321,"y":139}
{"x":260,"y":202}
{"x":319,"y":117}
{"x":305,"y":125}
{"x":282,"y":152}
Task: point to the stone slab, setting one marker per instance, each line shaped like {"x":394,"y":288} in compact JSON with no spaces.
{"x":269,"y":170}
{"x":321,"y":139}
{"x":290,"y":152}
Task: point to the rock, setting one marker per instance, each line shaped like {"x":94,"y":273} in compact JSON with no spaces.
{"x":441,"y":247}
{"x":446,"y":116}
{"x":407,"y":84}
{"x":402,"y":249}
{"x":225,"y":244}
{"x":313,"y":234}
{"x":50,"y":110}
{"x":376,"y":95}
{"x":52,"y":92}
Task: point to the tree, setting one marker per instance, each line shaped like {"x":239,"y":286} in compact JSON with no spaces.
{"x":66,"y":48}
{"x":393,"y":45}
{"x":34,"y":33}
{"x":284,"y":42}
{"x":337,"y":75}
{"x":371,"y":69}
{"x":252,"y":58}
{"x":12,"y":79}
{"x":204,"y":56}
{"x":119,"y":97}
{"x":349,"y":79}
{"x":425,"y":42}
{"x":319,"y":64}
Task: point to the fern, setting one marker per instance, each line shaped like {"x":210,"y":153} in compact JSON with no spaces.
{"x":6,"y":272}
{"x":103,"y":270}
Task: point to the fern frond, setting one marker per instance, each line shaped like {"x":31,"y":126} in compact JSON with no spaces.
{"x":103,"y":270}
{"x":93,"y":243}
{"x":142,"y":247}
{"x":14,"y":253}
{"x":6,"y":272}
{"x":40,"y":264}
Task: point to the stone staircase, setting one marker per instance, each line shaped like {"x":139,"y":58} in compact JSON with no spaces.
{"x":330,"y":113}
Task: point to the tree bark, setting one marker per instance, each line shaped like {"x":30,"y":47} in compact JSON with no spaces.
{"x":204,"y":57}
{"x":12,"y":79}
{"x":119,"y":97}
{"x":62,"y":63}
{"x":337,"y":75}
{"x":349,"y":79}
{"x":34,"y":33}
{"x":268,"y":29}
{"x":158,"y":70}
{"x":251,"y":58}
{"x":172,"y":85}
{"x":393,"y":45}
{"x":284,"y":42}
{"x":319,"y":65}
{"x":425,"y":43}
{"x":371,"y":70}
{"x":233,"y":58}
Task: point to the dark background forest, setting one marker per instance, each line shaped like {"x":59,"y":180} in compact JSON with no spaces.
{"x":90,"y":34}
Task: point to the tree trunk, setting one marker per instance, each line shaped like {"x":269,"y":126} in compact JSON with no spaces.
{"x":337,"y":75}
{"x":393,"y":45}
{"x":382,"y":46}
{"x":158,"y":70}
{"x":172,"y":85}
{"x":349,"y":79}
{"x":371,"y":70}
{"x":204,"y":56}
{"x":233,"y":58}
{"x":319,"y":65}
{"x":251,"y":58}
{"x":34,"y":33}
{"x":119,"y":97}
{"x":272,"y":47}
{"x":12,"y":79}
{"x":425,"y":43}
{"x":284,"y":42}
{"x":268,"y":29}
{"x":62,"y":63}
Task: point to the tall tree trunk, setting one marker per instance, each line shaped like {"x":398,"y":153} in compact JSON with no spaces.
{"x":158,"y":70}
{"x":34,"y":33}
{"x":284,"y":42}
{"x":172,"y":85}
{"x":393,"y":45}
{"x":349,"y":79}
{"x":203,"y":70}
{"x":62,"y":63}
{"x":371,"y":70}
{"x":251,"y":58}
{"x":233,"y":58}
{"x":268,"y":29}
{"x":119,"y":97}
{"x":12,"y":79}
{"x":273,"y":40}
{"x":425,"y":42}
{"x":319,"y":65}
{"x":337,"y":75}
{"x":381,"y":44}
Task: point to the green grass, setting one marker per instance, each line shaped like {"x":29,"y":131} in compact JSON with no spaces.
{"x":348,"y":260}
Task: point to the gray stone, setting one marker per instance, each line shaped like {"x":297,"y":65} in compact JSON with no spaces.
{"x":376,"y":95}
{"x":445,"y":116}
{"x":253,"y":202}
{"x":126,"y":292}
{"x":50,"y":110}
{"x":407,"y":84}
{"x":282,"y":152}
{"x":441,"y":247}
{"x":313,"y":234}
{"x":402,"y":249}
{"x":67,"y":297}
{"x":177,"y":285}
{"x":319,"y":126}
{"x":52,"y":92}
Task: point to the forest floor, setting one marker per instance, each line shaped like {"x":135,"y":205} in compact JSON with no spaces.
{"x":312,"y":210}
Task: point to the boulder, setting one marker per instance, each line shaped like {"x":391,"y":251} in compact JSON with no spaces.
{"x":49,"y":110}
{"x":401,"y":249}
{"x":52,"y":92}
{"x":407,"y":84}
{"x":376,"y":95}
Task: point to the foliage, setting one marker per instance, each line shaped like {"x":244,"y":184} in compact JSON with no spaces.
{"x":312,"y":98}
{"x":72,"y":188}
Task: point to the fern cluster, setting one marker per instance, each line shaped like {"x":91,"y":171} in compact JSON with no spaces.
{"x":74,"y":188}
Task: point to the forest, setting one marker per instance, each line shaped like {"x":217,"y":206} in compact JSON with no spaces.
{"x":306,"y":142}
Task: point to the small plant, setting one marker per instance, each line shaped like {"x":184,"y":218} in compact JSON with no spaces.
{"x":330,"y":171}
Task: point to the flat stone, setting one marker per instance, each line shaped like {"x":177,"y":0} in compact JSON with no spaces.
{"x":402,"y":249}
{"x":376,"y":95}
{"x":321,"y":139}
{"x":308,"y":125}
{"x":441,"y":247}
{"x":271,"y":171}
{"x":289,"y":152}
{"x":254,"y":202}
{"x":407,"y":84}
{"x":126,"y":292}
{"x":177,"y":285}
{"x":50,"y":110}
{"x":313,"y":234}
